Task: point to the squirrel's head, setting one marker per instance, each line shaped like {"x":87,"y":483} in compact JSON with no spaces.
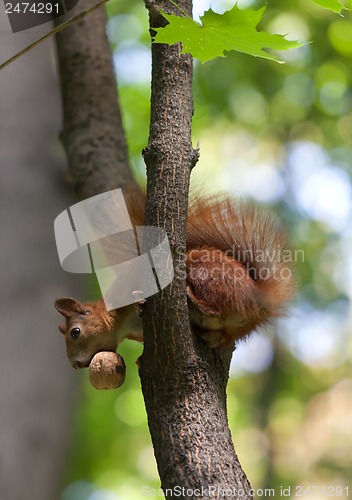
{"x":88,"y":329}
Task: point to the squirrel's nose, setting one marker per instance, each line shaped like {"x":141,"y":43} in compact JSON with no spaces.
{"x":76,"y":365}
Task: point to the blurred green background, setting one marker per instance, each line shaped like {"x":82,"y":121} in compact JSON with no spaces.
{"x":281,"y":134}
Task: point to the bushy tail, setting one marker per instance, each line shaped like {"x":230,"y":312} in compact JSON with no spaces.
{"x":250,"y":235}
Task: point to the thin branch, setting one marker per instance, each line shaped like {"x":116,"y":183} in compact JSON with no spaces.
{"x":180,"y":9}
{"x":57,"y":29}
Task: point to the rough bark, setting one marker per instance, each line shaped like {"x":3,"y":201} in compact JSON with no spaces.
{"x":93,"y":134}
{"x":183,"y":381}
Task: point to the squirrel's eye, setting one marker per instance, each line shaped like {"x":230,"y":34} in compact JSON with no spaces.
{"x":75,"y":332}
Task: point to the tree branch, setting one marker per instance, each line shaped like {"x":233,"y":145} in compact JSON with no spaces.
{"x":52,"y":32}
{"x":93,"y":134}
{"x":183,"y":380}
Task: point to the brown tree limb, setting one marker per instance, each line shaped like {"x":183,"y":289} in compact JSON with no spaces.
{"x":183,"y":380}
{"x":93,"y":134}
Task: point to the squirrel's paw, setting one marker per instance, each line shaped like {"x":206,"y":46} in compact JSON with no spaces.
{"x":200,"y":305}
{"x":139,"y":303}
{"x":215,"y":338}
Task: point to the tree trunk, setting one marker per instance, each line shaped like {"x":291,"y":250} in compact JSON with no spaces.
{"x":183,"y":380}
{"x":93,"y":133}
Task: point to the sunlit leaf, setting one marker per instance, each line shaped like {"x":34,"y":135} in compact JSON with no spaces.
{"x":233,"y":30}
{"x":334,"y":5}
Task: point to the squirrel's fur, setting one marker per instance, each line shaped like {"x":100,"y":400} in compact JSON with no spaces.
{"x":238,"y":277}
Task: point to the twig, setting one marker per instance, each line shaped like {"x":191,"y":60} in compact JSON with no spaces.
{"x":53,"y":32}
{"x":180,"y":9}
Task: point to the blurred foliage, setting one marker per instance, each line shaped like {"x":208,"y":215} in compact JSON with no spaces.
{"x":281,"y":134}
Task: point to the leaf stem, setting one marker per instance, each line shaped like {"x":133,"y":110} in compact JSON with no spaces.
{"x":180,"y":9}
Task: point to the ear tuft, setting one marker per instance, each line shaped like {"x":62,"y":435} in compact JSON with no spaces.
{"x":62,"y":328}
{"x":69,"y":307}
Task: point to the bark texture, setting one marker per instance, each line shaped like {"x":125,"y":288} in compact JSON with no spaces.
{"x":183,"y":381}
{"x":93,"y":134}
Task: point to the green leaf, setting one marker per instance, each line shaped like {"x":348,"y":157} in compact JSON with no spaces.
{"x":233,"y":30}
{"x":334,"y":5}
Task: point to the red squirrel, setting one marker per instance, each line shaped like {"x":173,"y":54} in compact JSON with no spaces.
{"x":238,"y":277}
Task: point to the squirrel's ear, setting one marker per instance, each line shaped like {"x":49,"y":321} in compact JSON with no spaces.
{"x":68,"y":307}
